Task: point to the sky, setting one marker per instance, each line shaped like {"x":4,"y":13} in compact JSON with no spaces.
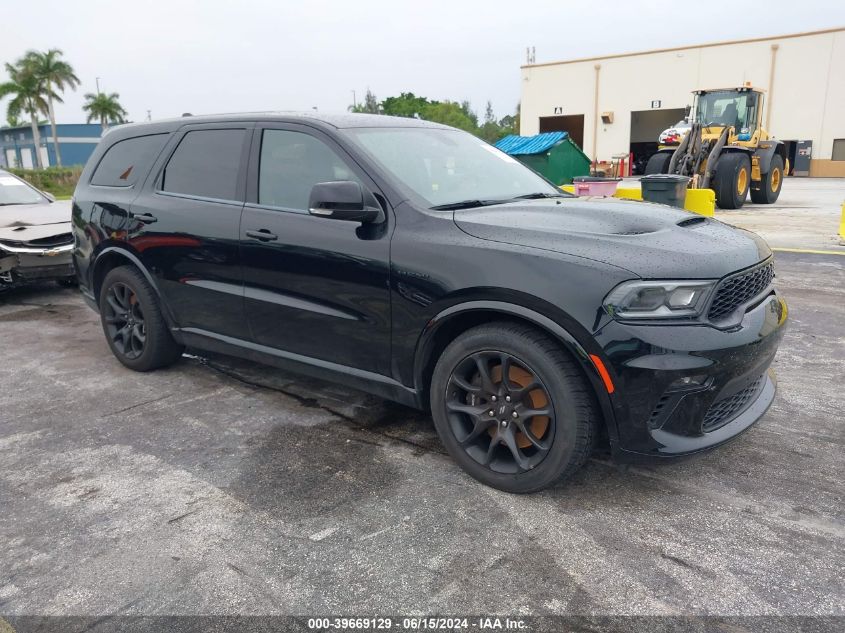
{"x":176,"y":56}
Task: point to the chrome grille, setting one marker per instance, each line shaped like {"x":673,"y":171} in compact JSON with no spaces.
{"x":736,"y":290}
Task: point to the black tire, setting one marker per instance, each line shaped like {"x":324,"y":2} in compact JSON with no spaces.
{"x":512,"y":454}
{"x":132,"y":321}
{"x":768,"y":189}
{"x":732,"y":180}
{"x":658,"y":163}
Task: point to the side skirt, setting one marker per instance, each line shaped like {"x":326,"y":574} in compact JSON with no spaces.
{"x":367,"y":381}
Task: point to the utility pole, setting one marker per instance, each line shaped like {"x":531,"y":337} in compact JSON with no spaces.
{"x":98,"y":85}
{"x":354,"y":100}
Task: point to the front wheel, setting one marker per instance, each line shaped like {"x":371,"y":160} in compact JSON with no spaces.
{"x":732,"y":180}
{"x":512,"y":407}
{"x":132,"y":321}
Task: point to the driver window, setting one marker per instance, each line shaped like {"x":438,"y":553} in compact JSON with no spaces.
{"x":291,"y":163}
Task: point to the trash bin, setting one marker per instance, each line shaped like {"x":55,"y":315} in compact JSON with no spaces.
{"x":595,"y":186}
{"x":668,"y":189}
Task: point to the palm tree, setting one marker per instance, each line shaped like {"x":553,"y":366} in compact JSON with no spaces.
{"x":52,"y":71}
{"x":104,"y":107}
{"x":27,"y":94}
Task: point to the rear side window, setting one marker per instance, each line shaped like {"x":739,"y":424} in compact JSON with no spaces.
{"x":125,"y":162}
{"x":205,"y":164}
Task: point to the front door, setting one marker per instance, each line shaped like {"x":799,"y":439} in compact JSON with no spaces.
{"x":184,"y":228}
{"x":313,"y":287}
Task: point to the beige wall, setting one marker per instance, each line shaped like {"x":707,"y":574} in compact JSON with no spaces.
{"x":808,"y":100}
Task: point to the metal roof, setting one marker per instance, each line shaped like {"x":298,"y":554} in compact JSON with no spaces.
{"x":516,"y":145}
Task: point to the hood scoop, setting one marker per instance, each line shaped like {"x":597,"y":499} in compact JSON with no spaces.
{"x":692,"y":222}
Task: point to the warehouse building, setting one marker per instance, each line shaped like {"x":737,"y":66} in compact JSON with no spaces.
{"x":76,"y":143}
{"x":619,"y":104}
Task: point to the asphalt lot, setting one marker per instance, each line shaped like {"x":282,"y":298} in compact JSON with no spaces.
{"x":220,"y":486}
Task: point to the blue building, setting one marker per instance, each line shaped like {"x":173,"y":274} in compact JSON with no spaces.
{"x":76,"y":143}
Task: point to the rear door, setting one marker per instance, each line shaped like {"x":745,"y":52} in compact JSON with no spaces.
{"x":314,"y":287}
{"x":184,"y":227}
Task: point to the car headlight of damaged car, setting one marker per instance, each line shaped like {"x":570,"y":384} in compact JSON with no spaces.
{"x":658,"y":299}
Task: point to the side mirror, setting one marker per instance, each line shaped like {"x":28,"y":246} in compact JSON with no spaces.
{"x":687,"y":110}
{"x":341,"y":200}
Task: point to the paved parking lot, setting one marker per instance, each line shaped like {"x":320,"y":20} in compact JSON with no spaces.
{"x":221,"y":486}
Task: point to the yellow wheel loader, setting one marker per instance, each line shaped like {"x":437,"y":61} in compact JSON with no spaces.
{"x":727,"y":149}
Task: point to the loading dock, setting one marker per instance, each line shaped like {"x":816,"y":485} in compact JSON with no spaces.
{"x":646,"y":126}
{"x":572,"y":124}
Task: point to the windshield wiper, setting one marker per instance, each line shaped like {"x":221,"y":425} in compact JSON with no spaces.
{"x":539,"y":195}
{"x":467,"y":204}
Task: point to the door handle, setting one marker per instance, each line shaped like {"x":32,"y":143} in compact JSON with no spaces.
{"x":263,"y":235}
{"x":144,"y":218}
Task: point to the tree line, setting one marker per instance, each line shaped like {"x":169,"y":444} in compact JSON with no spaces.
{"x":37,"y":81}
{"x":459,"y":115}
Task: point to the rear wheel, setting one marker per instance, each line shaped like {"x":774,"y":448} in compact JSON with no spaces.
{"x":732,"y":180}
{"x":132,"y":321}
{"x":768,"y":189}
{"x":512,"y":407}
{"x":658,"y":163}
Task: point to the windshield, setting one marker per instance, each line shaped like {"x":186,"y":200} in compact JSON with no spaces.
{"x":447,"y":167}
{"x":16,"y":191}
{"x":727,"y":108}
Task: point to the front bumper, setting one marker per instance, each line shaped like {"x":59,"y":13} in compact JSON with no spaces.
{"x":681,"y":389}
{"x":24,"y":264}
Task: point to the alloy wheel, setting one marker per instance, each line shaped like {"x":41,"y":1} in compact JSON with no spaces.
{"x":500,"y":412}
{"x":124,"y":320}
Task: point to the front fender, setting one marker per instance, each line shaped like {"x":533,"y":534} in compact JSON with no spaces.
{"x":766,"y":150}
{"x":427,"y":344}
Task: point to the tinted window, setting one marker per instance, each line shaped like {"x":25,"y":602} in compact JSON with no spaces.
{"x":291,"y":164}
{"x":125,"y":162}
{"x":205,"y":164}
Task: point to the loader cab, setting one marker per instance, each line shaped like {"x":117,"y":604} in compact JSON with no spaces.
{"x":739,"y":108}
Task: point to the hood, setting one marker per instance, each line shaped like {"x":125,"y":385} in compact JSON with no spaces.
{"x":652,"y":241}
{"x":25,"y":222}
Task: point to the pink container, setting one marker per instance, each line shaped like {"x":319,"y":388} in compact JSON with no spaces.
{"x":590,"y":186}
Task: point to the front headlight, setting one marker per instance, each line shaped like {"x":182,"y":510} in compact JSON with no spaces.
{"x":658,"y":299}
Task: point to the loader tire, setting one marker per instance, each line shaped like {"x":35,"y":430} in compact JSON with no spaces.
{"x":768,"y":189}
{"x":732,"y":180}
{"x":658,"y":163}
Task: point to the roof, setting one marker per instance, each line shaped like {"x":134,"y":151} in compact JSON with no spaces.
{"x":688,"y":47}
{"x":516,"y":145}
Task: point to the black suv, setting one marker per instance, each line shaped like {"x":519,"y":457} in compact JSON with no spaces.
{"x":416,"y":262}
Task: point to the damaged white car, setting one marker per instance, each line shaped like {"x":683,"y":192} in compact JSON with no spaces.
{"x":35,"y":237}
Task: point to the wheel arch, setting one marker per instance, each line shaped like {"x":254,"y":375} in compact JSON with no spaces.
{"x":766,"y":151}
{"x":454,"y":320}
{"x":114,"y":256}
